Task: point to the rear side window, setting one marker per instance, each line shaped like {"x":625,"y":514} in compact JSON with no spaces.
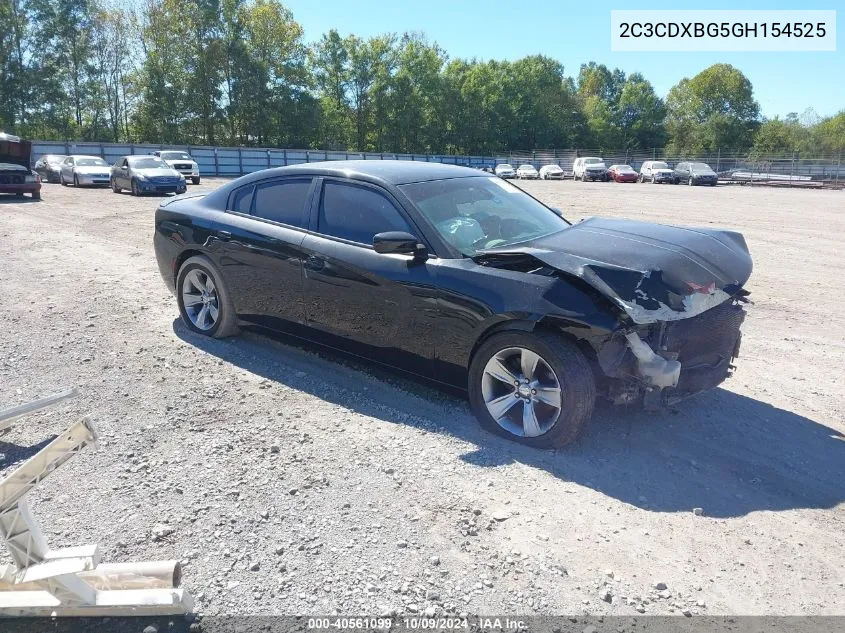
{"x":282,"y":201}
{"x":242,"y":200}
{"x":357,"y":213}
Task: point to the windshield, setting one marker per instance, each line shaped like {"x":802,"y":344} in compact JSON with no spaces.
{"x":659,"y":165}
{"x":12,"y":167}
{"x":474,"y":214}
{"x":53,"y":160}
{"x":624,"y":168}
{"x":151,"y":162}
{"x":701,"y":167}
{"x":90,"y":162}
{"x":553,"y":168}
{"x":593,"y":161}
{"x":175,"y":156}
{"x":526,"y":167}
{"x":504,"y":166}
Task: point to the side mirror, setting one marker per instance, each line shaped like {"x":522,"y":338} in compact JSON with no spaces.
{"x":398,"y":243}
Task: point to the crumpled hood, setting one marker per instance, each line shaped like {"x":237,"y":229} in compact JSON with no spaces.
{"x":654,"y":272}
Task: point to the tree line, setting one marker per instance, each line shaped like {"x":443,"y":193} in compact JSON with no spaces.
{"x":239,"y":72}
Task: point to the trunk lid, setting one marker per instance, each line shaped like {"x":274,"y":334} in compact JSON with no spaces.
{"x":15,"y":151}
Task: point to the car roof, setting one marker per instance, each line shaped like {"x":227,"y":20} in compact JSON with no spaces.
{"x":393,"y":172}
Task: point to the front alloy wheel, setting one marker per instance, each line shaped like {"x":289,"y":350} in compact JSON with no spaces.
{"x":521,"y":392}
{"x":535,"y":388}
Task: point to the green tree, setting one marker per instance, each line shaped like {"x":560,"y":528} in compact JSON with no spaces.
{"x":714,"y":109}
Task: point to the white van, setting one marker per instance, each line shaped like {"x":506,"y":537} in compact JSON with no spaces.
{"x":589,"y":168}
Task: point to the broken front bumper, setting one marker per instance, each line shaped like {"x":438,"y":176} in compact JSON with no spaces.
{"x":674,"y":359}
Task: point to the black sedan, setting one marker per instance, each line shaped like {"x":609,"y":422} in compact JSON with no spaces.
{"x":695,"y":174}
{"x":466,"y":280}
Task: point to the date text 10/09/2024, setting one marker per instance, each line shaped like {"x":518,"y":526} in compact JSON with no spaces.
{"x":418,"y":623}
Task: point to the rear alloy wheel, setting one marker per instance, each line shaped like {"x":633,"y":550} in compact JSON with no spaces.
{"x":534,"y":388}
{"x":203,"y":299}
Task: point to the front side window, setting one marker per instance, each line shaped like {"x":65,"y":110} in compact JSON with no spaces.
{"x":282,"y":201}
{"x":357,"y":213}
{"x":473,"y":214}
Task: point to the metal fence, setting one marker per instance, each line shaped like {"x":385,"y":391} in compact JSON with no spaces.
{"x":235,"y":161}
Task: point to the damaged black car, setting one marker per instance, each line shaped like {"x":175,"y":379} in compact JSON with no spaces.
{"x":465,"y":280}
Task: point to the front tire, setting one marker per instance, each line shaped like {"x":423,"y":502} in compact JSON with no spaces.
{"x":534,"y":388}
{"x":36,"y":195}
{"x":135,"y":191}
{"x":690,"y":182}
{"x":62,"y":180}
{"x":115,"y":187}
{"x":204,"y":301}
{"x":196,"y":180}
{"x":75,"y":180}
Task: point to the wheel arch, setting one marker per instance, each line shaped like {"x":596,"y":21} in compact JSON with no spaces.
{"x":577,"y":333}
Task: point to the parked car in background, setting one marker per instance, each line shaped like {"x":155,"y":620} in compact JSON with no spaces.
{"x":145,"y":174}
{"x":505,"y":171}
{"x":16,"y":176}
{"x":656,"y":171}
{"x":49,"y":167}
{"x":622,"y":173}
{"x":589,"y":168}
{"x":551,"y":172}
{"x":527,"y":172}
{"x":695,"y":174}
{"x":84,"y":170}
{"x":463,"y":278}
{"x":181,"y":162}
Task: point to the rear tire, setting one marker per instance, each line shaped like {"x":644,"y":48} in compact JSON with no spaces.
{"x":560,"y":361}
{"x":195,"y":272}
{"x":36,"y":195}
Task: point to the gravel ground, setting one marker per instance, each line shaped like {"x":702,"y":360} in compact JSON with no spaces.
{"x":291,"y":481}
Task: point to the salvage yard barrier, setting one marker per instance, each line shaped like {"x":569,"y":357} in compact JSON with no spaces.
{"x":827,"y":169}
{"x":71,"y":581}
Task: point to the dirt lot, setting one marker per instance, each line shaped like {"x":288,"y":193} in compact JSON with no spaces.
{"x":295,"y":482}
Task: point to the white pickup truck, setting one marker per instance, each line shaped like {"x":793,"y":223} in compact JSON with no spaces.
{"x":181,"y":162}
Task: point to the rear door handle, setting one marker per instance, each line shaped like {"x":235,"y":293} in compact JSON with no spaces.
{"x":315,"y":263}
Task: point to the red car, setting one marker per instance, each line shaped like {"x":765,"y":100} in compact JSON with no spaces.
{"x":16,"y":175}
{"x":622,"y":173}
